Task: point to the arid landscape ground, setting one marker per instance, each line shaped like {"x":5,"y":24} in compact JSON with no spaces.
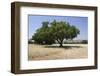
{"x":52,"y":52}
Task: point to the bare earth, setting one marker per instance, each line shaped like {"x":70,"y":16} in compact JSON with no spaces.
{"x":51,"y":52}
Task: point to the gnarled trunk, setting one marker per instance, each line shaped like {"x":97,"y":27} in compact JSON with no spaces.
{"x":60,"y":42}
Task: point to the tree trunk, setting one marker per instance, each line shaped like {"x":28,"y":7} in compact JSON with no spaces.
{"x":61,"y":45}
{"x":60,"y":42}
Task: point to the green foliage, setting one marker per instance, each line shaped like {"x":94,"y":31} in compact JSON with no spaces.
{"x":43,"y":35}
{"x":57,"y":31}
{"x":72,"y":32}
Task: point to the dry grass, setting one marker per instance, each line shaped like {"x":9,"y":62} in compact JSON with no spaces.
{"x":51,"y":52}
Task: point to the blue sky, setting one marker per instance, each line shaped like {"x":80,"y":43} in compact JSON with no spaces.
{"x":34,"y":22}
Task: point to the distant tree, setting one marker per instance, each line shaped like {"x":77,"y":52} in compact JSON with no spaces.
{"x":57,"y":31}
{"x":84,"y":41}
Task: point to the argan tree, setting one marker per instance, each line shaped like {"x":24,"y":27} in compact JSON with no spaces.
{"x":56,"y":31}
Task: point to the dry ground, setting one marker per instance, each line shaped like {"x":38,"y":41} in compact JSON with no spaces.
{"x":51,"y":52}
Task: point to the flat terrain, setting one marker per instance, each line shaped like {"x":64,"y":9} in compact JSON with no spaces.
{"x":51,"y":52}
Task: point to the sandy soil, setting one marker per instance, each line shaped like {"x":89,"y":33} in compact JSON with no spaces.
{"x":51,"y":52}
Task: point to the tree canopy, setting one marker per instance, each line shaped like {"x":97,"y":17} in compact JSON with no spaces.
{"x":55,"y":31}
